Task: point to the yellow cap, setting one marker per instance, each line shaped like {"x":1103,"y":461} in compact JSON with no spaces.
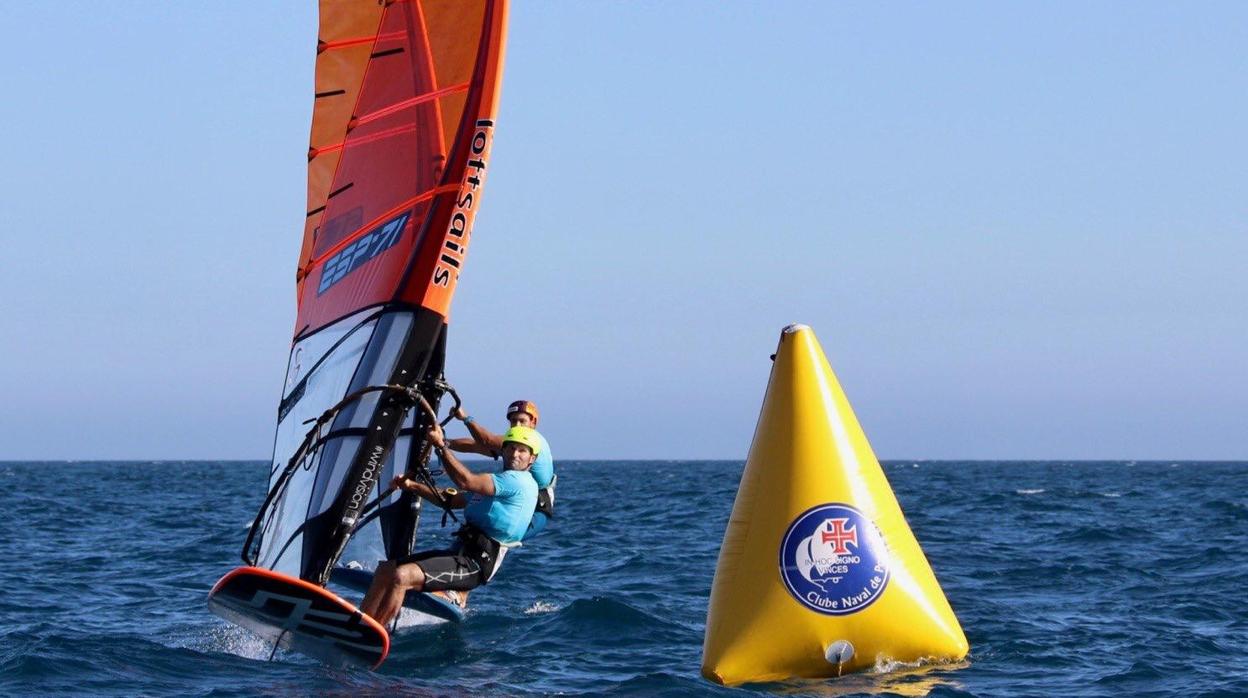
{"x":526,"y":436}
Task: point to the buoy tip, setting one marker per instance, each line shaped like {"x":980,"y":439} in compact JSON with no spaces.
{"x":795,"y":327}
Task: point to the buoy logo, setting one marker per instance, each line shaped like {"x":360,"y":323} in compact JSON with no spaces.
{"x":833,"y":560}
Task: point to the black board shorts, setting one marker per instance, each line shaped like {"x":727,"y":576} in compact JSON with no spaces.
{"x":466,"y":566}
{"x":446,"y":570}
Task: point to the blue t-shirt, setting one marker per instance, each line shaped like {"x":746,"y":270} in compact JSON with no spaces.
{"x":505,"y":516}
{"x":543,"y":468}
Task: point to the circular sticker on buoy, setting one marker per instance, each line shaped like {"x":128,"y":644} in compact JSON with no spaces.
{"x":833,"y":560}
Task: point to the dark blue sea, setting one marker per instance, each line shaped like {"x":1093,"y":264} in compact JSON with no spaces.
{"x":1087,"y":578}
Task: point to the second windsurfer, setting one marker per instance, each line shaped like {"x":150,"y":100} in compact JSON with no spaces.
{"x":521,"y":413}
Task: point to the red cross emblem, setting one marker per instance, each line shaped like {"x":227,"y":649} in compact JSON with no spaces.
{"x":838,"y":536}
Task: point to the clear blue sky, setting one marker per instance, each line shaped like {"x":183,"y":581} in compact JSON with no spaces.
{"x":1019,"y":231}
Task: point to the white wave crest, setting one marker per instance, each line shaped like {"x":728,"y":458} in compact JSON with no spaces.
{"x":1028,"y":491}
{"x":888,"y":665}
{"x":541,"y":607}
{"x":231,"y":639}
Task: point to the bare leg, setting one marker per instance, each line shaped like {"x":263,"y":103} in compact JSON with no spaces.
{"x":390,"y":584}
{"x":381,"y":581}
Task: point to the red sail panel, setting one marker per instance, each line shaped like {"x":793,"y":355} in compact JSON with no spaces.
{"x":405,"y":99}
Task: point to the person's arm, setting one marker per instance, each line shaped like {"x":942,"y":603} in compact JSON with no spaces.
{"x":481,"y":483}
{"x":489,"y":442}
{"x":470,"y":446}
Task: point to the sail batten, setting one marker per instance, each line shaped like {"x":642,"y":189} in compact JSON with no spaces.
{"x":421,"y":99}
{"x":359,"y":232}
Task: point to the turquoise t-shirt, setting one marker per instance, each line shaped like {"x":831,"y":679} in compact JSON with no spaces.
{"x":505,"y":516}
{"x":543,"y":468}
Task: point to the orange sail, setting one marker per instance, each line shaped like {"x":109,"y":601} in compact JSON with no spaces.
{"x":401,"y":133}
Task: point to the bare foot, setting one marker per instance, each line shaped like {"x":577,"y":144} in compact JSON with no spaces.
{"x":459,"y":598}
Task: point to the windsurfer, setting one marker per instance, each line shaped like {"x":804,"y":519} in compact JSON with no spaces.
{"x":497,"y":508}
{"x":521,"y":413}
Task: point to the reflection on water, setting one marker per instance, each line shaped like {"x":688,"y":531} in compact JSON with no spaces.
{"x":888,"y":677}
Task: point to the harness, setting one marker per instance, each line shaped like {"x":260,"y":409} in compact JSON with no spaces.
{"x":546,"y":498}
{"x":484,"y":550}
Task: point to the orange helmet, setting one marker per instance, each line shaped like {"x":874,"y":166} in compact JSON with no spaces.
{"x":522,"y":406}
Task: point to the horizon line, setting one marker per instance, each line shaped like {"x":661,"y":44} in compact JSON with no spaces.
{"x":155,"y":461}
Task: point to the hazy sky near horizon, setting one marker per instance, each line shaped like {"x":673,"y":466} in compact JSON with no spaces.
{"x":1019,"y":230}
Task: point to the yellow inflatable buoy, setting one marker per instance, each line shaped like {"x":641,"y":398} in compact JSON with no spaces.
{"x":818,"y":573}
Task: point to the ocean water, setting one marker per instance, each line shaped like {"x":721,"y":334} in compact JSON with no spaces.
{"x":1098,"y":579}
